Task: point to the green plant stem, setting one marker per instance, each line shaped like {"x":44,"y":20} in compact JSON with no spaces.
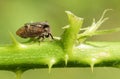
{"x":49,"y":54}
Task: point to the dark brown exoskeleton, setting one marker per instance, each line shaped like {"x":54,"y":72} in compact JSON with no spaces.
{"x":39,"y":30}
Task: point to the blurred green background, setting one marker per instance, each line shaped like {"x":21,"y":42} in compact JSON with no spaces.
{"x":14,"y":13}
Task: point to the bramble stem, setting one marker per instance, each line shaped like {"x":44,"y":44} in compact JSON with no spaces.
{"x":51,"y":54}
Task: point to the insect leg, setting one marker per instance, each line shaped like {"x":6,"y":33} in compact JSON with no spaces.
{"x":50,"y":35}
{"x":41,"y":37}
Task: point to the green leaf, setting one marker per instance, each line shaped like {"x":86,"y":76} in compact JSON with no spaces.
{"x":90,"y":31}
{"x":69,"y":36}
{"x":99,"y":32}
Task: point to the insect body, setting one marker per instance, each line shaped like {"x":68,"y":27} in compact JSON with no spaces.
{"x":35,"y":30}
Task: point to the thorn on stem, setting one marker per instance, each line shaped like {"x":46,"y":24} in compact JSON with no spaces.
{"x":51,"y":63}
{"x":15,"y":42}
{"x":92,"y":67}
{"x":66,"y":59}
{"x":18,"y":74}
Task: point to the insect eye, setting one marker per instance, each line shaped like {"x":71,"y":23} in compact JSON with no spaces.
{"x":45,"y":26}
